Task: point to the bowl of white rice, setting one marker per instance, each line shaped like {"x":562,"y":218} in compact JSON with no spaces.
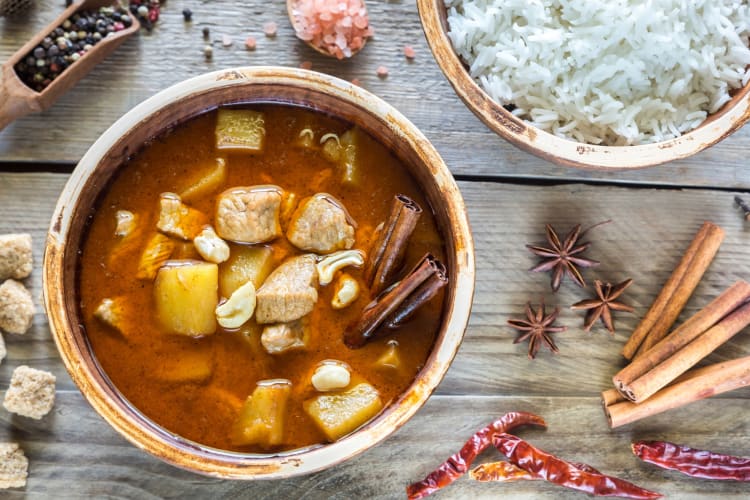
{"x":600,"y":84}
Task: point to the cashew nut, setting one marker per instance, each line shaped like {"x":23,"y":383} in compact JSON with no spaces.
{"x":347,"y":291}
{"x":331,"y":375}
{"x":329,"y":264}
{"x":210,"y":246}
{"x":239,"y":308}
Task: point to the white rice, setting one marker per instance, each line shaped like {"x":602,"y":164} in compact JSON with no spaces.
{"x":614,"y":72}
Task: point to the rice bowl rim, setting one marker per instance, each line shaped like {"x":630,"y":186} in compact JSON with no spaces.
{"x":731,"y":117}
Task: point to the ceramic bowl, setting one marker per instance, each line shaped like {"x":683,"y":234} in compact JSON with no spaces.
{"x":566,"y":152}
{"x":175,"y":105}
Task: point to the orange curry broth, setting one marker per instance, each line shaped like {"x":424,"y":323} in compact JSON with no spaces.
{"x":205,"y":412}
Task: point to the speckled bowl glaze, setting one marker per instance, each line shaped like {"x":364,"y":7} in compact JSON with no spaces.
{"x":570,"y":153}
{"x":175,"y":105}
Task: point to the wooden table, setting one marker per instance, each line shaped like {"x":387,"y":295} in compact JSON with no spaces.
{"x":510,"y":196}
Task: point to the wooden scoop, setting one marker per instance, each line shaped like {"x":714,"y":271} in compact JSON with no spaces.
{"x":17,"y":99}
{"x":290,"y":4}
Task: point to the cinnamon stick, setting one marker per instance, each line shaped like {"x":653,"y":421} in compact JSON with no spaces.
{"x":695,"y":385}
{"x":679,"y":362}
{"x":421,"y":295}
{"x":389,"y":248}
{"x":676,"y":291}
{"x":407,"y":293}
{"x":700,"y":322}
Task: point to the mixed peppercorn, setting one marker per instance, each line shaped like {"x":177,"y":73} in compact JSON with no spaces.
{"x":69,"y":42}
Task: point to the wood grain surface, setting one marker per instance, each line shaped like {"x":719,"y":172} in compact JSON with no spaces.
{"x":75,"y":454}
{"x":173,"y":52}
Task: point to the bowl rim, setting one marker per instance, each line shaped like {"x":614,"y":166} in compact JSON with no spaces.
{"x":144,"y":433}
{"x":566,"y":152}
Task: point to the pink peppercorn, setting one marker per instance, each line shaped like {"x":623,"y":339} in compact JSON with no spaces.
{"x":305,"y":65}
{"x":382,"y":71}
{"x":250,"y":43}
{"x":409,"y":52}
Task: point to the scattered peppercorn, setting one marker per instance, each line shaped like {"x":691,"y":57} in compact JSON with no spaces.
{"x":409,"y":52}
{"x":147,"y":12}
{"x":187,"y":15}
{"x":382,"y":71}
{"x":226,"y":40}
{"x":250,"y":43}
{"x":306,"y":65}
{"x":270,"y":28}
{"x":208,"y":51}
{"x":67,"y":43}
{"x":206,"y":33}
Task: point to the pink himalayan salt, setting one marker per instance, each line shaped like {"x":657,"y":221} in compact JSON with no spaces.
{"x":338,"y":27}
{"x":409,"y":52}
{"x":305,"y":65}
{"x":382,"y":71}
{"x":270,"y":28}
{"x":250,"y":43}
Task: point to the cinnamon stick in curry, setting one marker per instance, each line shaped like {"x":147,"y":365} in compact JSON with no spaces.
{"x":699,"y":323}
{"x":676,"y":291}
{"x":398,"y":303}
{"x":669,"y":369}
{"x":694,"y":385}
{"x":389,"y":248}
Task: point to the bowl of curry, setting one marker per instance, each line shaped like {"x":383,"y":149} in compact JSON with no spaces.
{"x":259,"y":273}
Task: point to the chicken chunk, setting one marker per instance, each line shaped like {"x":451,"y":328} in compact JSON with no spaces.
{"x":289,"y":292}
{"x":321,"y":224}
{"x":177,"y":219}
{"x":249,"y":214}
{"x":280,"y":338}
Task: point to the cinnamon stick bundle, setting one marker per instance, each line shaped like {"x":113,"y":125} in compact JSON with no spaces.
{"x":676,"y":291}
{"x":397,"y":304}
{"x":660,"y":375}
{"x":693,"y":328}
{"x":692,"y":386}
{"x":388,"y":250}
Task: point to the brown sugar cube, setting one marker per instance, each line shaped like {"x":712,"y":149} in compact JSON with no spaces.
{"x":16,"y":308}
{"x":15,"y":256}
{"x":14,"y":466}
{"x":31,"y":392}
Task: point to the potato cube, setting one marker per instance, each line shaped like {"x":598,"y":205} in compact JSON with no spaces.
{"x":186,"y":294}
{"x":209,"y":181}
{"x":245,"y":264}
{"x":240,"y":130}
{"x":263,"y":416}
{"x":339,"y":413}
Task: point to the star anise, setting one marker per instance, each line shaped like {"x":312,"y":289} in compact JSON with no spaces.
{"x":563,"y":258}
{"x":536,"y":327}
{"x":603,"y":304}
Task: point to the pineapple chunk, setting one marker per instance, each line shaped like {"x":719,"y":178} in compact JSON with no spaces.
{"x":208,"y":182}
{"x":263,"y":416}
{"x":157,"y":252}
{"x":186,"y":297}
{"x":191,"y":366}
{"x":241,"y":130}
{"x":244,"y":264}
{"x":177,"y":219}
{"x":339,"y":413}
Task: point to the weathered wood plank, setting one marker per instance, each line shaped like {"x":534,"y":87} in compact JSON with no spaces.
{"x":173,"y":52}
{"x":74,"y":450}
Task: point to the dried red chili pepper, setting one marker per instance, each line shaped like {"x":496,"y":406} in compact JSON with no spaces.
{"x":558,"y":471}
{"x":504,"y":472}
{"x":458,"y":464}
{"x":696,"y":463}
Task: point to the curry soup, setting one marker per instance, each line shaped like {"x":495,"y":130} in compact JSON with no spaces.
{"x":197,"y":385}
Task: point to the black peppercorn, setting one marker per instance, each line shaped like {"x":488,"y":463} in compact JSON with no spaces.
{"x":187,"y":15}
{"x":206,"y":33}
